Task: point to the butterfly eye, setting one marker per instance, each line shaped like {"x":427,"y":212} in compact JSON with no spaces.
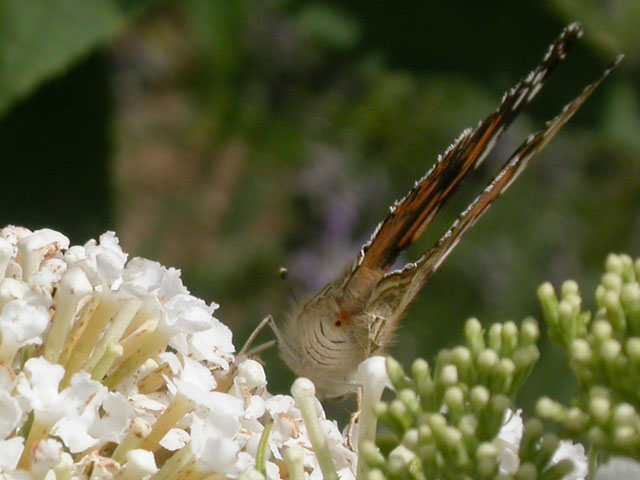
{"x":338,"y":323}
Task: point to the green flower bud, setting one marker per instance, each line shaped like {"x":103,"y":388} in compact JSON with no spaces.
{"x":371,"y":455}
{"x":375,"y":474}
{"x":497,"y":405}
{"x":600,"y":409}
{"x":473,"y":335}
{"x":411,"y":439}
{"x":451,"y":436}
{"x":610,"y":350}
{"x":487,"y":450}
{"x":628,"y":274}
{"x":569,"y":287}
{"x":613,"y":263}
{"x":548,"y":408}
{"x":495,"y":337}
{"x":575,"y":419}
{"x":549,"y":303}
{"x":597,"y":436}
{"x":479,"y":398}
{"x":529,"y":332}
{"x":567,"y":316}
{"x":380,"y":409}
{"x":399,"y":412}
{"x":400,"y":459}
{"x":625,"y":414}
{"x":527,"y":471}
{"x":461,"y":357}
{"x":611,"y":281}
{"x":503,"y":376}
{"x":601,"y":330}
{"x":633,"y":349}
{"x":409,"y":398}
{"x":580,"y":351}
{"x":449,"y":375}
{"x":601,"y":291}
{"x":468,"y":425}
{"x":530,"y":438}
{"x":559,"y":470}
{"x":486,"y":455}
{"x":420,"y":370}
{"x":547,"y":448}
{"x":454,"y":397}
{"x":630,"y":299}
{"x":615,"y":314}
{"x":396,"y":374}
{"x":630,"y":296}
{"x":509,"y":338}
{"x":526,"y":357}
{"x":625,"y":436}
{"x":485,"y":364}
{"x":425,"y":434}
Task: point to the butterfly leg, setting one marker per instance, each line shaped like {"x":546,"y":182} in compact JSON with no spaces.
{"x":355,"y":416}
{"x":244,"y":351}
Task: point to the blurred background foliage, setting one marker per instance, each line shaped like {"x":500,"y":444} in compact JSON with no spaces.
{"x":230,"y":138}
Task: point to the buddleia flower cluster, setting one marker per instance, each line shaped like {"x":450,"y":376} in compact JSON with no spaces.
{"x":603,"y":350}
{"x":456,"y":419}
{"x":109,"y":368}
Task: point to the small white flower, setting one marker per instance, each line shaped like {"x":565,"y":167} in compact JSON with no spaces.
{"x":21,"y":324}
{"x":213,"y":442}
{"x":508,"y":442}
{"x":46,"y":454}
{"x":574,"y":452}
{"x":150,"y":277}
{"x":251,"y":375}
{"x":213,"y":344}
{"x":33,"y":249}
{"x":102,"y":262}
{"x":618,"y":468}
{"x":11,"y":289}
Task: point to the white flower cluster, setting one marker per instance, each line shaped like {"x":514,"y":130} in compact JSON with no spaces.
{"x":111,"y":369}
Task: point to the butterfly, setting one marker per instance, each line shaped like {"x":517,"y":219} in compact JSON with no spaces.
{"x":354,"y":317}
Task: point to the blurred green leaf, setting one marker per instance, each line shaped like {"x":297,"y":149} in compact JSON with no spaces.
{"x":328,"y":25}
{"x":41,"y":38}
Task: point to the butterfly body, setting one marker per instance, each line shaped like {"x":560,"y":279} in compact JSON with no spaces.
{"x":354,"y":317}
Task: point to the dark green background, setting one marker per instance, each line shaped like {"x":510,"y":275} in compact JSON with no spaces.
{"x":231,"y":138}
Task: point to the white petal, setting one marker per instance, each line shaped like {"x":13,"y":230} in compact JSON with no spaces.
{"x":140,"y":463}
{"x":175,"y":439}
{"x":25,"y":323}
{"x":10,"y":414}
{"x":618,"y":468}
{"x":574,"y":452}
{"x":10,"y":452}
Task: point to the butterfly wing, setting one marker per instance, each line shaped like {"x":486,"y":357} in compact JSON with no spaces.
{"x":410,"y":216}
{"x":397,"y":289}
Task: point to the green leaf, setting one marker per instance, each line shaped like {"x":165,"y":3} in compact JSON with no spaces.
{"x":39,"y":39}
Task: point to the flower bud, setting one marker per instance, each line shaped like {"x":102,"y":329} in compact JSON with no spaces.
{"x":473,"y":335}
{"x":529,"y":332}
{"x":569,"y":287}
